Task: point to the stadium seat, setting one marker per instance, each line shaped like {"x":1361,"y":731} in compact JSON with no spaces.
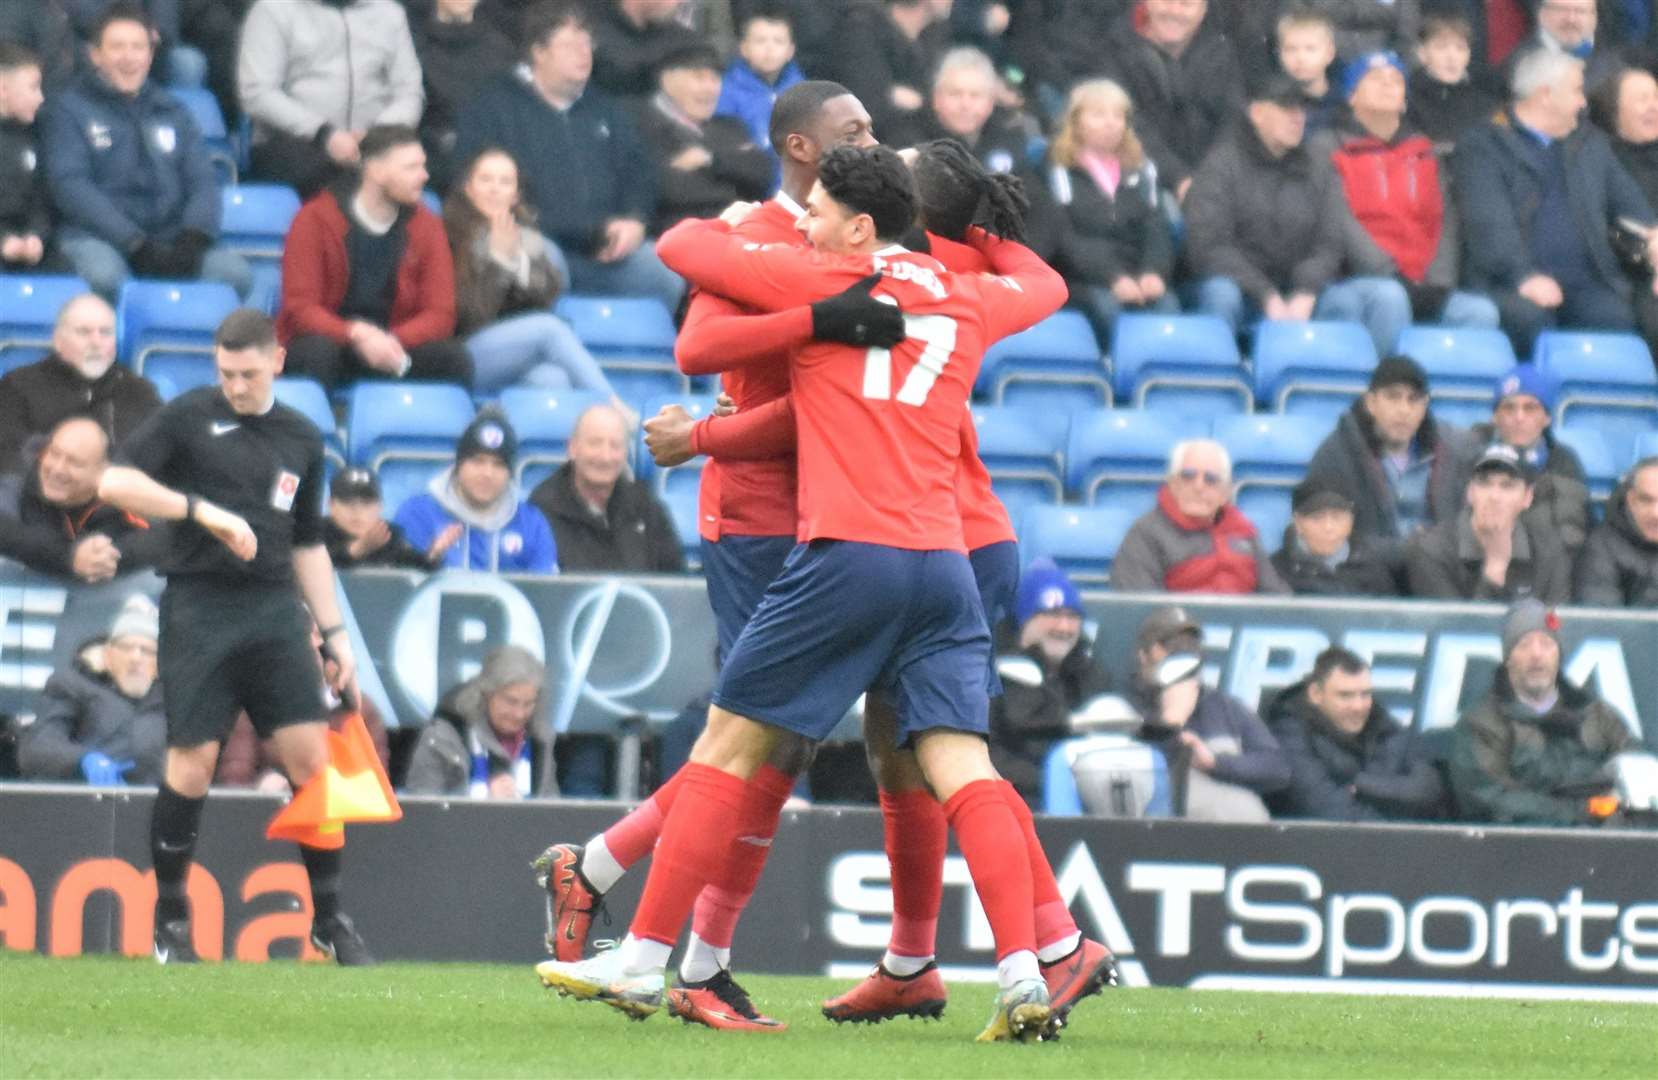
{"x":1081,"y":539}
{"x":308,"y":396}
{"x":1269,"y":457}
{"x":1055,"y":365}
{"x":1314,"y":368}
{"x":204,"y":109}
{"x":1463,"y":366}
{"x":1646,"y":445}
{"x":29,"y":305}
{"x":1120,"y":454}
{"x":255,"y":225}
{"x":1605,"y":381}
{"x":644,"y":469}
{"x":632,"y":338}
{"x":1600,"y":465}
{"x":405,"y":432}
{"x":432,"y":201}
{"x":543,"y":421}
{"x":1187,"y":362}
{"x":1023,"y":450}
{"x":1059,"y":784}
{"x":681,"y":502}
{"x":165,"y":330}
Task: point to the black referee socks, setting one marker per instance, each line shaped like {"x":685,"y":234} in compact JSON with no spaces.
{"x":173,"y":826}
{"x":323,"y":868}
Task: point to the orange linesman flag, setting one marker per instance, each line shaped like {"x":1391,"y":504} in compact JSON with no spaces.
{"x":351,"y":787}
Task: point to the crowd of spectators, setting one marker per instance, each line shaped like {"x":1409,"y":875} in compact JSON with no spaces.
{"x":1386,"y":162}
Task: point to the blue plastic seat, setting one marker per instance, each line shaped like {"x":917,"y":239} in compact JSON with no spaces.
{"x":1055,"y":364}
{"x":204,"y":109}
{"x":1269,"y":457}
{"x":1605,"y":381}
{"x":1059,"y":783}
{"x":1311,"y":367}
{"x":1646,"y":445}
{"x":1024,"y":451}
{"x":632,"y":338}
{"x":256,"y":218}
{"x":432,"y":201}
{"x":1081,"y":539}
{"x":1463,"y":365}
{"x":1119,"y":452}
{"x":406,"y":432}
{"x":543,"y":420}
{"x":29,"y":306}
{"x":1600,"y":465}
{"x":165,"y":328}
{"x":682,"y":508}
{"x":1179,"y":361}
{"x":308,"y":396}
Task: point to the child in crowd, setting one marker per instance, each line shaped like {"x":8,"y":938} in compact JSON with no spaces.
{"x":764,"y":68}
{"x":1444,"y":101}
{"x":1306,"y":49}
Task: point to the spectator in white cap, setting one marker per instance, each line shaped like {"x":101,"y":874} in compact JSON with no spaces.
{"x":101,"y":718}
{"x":1536,"y":750}
{"x":1520,"y":409}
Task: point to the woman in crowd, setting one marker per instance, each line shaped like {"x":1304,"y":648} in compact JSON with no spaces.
{"x":507,"y":276}
{"x":488,"y":737}
{"x":1115,"y":251}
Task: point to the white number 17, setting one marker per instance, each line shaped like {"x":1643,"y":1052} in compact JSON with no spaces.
{"x":938,"y":335}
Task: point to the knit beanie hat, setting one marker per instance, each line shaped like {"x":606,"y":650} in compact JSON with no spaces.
{"x":1525,"y":617}
{"x":489,"y":433}
{"x":138,"y":617}
{"x":1044,"y":587}
{"x":1360,"y":66}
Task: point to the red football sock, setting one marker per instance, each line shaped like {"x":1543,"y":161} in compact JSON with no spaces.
{"x":721,"y":903}
{"x":632,"y":838}
{"x":990,"y":839}
{"x":1053,"y":917}
{"x":916,"y":835}
{"x":697,"y":838}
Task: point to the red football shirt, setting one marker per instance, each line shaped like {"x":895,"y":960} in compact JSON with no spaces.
{"x":879,"y":431}
{"x":754,"y":497}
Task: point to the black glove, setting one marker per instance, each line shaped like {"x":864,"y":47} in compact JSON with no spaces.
{"x":1426,"y":301}
{"x":187,"y":250}
{"x":152,"y":259}
{"x":854,"y":317}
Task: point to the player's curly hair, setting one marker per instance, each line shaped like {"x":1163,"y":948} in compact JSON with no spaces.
{"x":957,"y":191}
{"x":873,"y":181}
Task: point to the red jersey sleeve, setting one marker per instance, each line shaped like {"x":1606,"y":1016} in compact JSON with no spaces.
{"x":757,"y":434}
{"x":770,"y":277}
{"x":719,"y":335}
{"x":1024,"y":291}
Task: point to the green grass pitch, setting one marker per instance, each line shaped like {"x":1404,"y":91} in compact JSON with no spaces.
{"x":117,"y":1017}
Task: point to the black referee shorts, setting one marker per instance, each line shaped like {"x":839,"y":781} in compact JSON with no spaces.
{"x":232,"y":647}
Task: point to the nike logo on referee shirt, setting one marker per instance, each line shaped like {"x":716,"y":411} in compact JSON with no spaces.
{"x":223,"y":428}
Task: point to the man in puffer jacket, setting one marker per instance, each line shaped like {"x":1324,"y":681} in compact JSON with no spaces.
{"x":498,"y":531}
{"x":1619,"y":564}
{"x":101,"y":718}
{"x":315,"y":75}
{"x":1196,"y":540}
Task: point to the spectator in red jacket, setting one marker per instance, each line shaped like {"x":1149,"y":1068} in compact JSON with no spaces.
{"x":368,"y":283}
{"x":1195,"y":539}
{"x":1404,"y":223}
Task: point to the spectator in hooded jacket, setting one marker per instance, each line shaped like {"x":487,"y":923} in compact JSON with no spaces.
{"x":1520,"y":418}
{"x":704,"y":162}
{"x":1264,"y":227}
{"x":25,"y":219}
{"x":1619,"y":563}
{"x":1403,"y":223}
{"x":763,"y":69}
{"x":368,"y":284}
{"x":1183,"y":77}
{"x":458,"y":54}
{"x":1196,"y":539}
{"x":315,"y":76}
{"x":490,"y":737}
{"x":1321,"y":556}
{"x":128,"y":172}
{"x":1048,"y":674}
{"x":52,"y":521}
{"x":603,"y":518}
{"x":1350,"y":760}
{"x":1488,"y":552}
{"x":506,"y":280}
{"x":1114,"y":247}
{"x":101,"y":718}
{"x":500,"y":531}
{"x":581,"y":164}
{"x":1404,"y":470}
{"x":1538,"y":195}
{"x":1445,"y":100}
{"x":78,"y":377}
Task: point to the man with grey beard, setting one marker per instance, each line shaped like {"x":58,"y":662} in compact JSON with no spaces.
{"x":79,"y":377}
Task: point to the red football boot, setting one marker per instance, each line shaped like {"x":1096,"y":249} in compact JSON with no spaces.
{"x":571,"y":901}
{"x":884,"y":996}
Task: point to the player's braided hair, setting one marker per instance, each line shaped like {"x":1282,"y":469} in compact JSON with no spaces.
{"x":873,"y":181}
{"x":957,"y":191}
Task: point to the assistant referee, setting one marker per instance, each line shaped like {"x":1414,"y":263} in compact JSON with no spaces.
{"x":242,"y":475}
